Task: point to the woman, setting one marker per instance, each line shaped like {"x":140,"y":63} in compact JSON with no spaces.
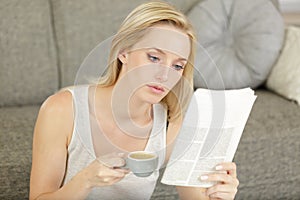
{"x":151,"y":54}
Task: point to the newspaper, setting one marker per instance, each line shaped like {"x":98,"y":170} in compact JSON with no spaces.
{"x":210,"y":134}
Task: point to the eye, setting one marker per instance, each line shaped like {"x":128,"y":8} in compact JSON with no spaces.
{"x":153,"y":58}
{"x":178,"y":67}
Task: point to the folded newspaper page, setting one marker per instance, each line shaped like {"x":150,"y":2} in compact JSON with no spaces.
{"x":210,"y":134}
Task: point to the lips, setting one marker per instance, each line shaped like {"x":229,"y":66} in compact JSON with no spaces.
{"x":156,"y":88}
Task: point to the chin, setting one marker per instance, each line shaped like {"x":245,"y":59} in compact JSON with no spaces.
{"x":153,"y":99}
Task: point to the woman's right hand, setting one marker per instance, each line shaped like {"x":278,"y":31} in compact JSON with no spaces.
{"x":104,"y":171}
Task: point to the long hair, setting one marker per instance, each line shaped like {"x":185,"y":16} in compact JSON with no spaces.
{"x":133,"y":29}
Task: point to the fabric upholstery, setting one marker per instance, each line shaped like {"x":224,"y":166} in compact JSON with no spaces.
{"x":268,"y":154}
{"x":16,"y":144}
{"x":27,"y":60}
{"x":82,"y":25}
{"x":284,"y":78}
{"x":243,"y":39}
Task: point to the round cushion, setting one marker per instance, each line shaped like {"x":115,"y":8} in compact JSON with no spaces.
{"x":239,"y":41}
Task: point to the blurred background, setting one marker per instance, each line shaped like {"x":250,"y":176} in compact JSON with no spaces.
{"x":290,"y":10}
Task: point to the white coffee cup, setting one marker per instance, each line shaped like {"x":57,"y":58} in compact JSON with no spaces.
{"x":142,"y":163}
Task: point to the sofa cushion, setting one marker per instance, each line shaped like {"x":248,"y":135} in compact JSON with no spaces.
{"x":243,"y":39}
{"x":82,"y":25}
{"x":27,"y":60}
{"x":16,"y":145}
{"x":284,"y":78}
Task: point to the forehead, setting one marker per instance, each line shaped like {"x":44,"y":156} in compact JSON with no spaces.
{"x":166,"y":38}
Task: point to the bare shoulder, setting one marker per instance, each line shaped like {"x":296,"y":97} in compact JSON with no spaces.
{"x":60,"y":102}
{"x":56,"y":115}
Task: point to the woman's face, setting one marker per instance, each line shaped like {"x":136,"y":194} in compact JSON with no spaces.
{"x":154,"y":65}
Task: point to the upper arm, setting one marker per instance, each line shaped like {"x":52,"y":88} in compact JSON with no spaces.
{"x":52,"y":133}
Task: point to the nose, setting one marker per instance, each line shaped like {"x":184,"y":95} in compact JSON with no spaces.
{"x":163,"y":73}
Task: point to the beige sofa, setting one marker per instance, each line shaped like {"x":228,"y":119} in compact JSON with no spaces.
{"x":42,"y":45}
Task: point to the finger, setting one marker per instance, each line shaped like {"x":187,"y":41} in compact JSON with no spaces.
{"x":121,"y":162}
{"x":221,"y":188}
{"x":110,"y":179}
{"x":117,"y":162}
{"x":107,"y":180}
{"x":211,"y":198}
{"x":121,"y":155}
{"x":113,"y":161}
{"x":230,"y":167}
{"x":222,"y":195}
{"x":217,"y":177}
{"x":114,"y":180}
{"x":107,"y":172}
{"x":123,"y":170}
{"x":119,"y":173}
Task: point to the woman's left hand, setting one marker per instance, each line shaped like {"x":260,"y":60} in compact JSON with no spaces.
{"x":227,"y":182}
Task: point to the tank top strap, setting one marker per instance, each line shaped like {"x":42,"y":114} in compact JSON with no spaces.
{"x":81,"y":117}
{"x":157,"y":139}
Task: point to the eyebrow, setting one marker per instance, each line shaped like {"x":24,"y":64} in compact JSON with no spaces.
{"x":161,"y":51}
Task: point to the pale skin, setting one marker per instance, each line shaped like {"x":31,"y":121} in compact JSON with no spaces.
{"x":54,"y":128}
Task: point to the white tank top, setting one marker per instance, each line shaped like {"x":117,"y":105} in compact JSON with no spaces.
{"x":81,"y":152}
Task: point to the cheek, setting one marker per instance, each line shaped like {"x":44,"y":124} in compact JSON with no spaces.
{"x":175,"y":81}
{"x":180,"y":73}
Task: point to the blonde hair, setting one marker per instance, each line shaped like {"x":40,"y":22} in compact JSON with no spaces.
{"x":133,"y":29}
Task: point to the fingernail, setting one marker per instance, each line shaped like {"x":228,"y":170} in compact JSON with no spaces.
{"x":204,"y":177}
{"x":121,"y":154}
{"x":219,"y":167}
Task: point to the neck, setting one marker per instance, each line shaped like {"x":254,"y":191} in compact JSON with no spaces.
{"x":130,"y":109}
{"x":140,"y":112}
{"x":130,"y":114}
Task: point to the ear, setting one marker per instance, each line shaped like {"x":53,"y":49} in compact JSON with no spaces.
{"x":123,"y":56}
